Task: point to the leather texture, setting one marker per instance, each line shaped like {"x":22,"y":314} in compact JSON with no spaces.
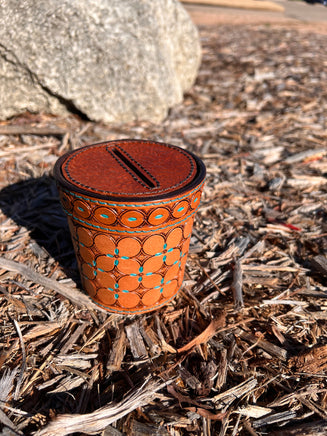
{"x":130,"y":169}
{"x":132,"y":254}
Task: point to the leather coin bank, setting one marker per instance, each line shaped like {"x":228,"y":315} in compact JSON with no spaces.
{"x":130,"y":206}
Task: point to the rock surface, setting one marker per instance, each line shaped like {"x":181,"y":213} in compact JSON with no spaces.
{"x":114,"y":60}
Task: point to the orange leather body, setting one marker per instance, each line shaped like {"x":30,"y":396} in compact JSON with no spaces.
{"x":131,"y":251}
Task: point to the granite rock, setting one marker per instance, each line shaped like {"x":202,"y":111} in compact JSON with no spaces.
{"x":111,"y":61}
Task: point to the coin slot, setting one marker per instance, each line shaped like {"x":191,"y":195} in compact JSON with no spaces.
{"x":132,"y":167}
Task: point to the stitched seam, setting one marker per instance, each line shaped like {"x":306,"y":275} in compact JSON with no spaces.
{"x":129,"y":193}
{"x":130,"y":231}
{"x":91,"y":200}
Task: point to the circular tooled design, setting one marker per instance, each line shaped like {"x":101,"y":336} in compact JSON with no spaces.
{"x":150,"y":298}
{"x":66,"y":202}
{"x":81,"y":209}
{"x":180,"y":209}
{"x":169,"y":289}
{"x":153,"y":264}
{"x":128,"y":300}
{"x":152,"y":281}
{"x":105,"y":263}
{"x":128,"y":266}
{"x":90,"y":287}
{"x":105,"y":279}
{"x":129,"y":247}
{"x":86,"y":254}
{"x":106,"y":297}
{"x":128,"y":283}
{"x":172,"y":273}
{"x":154,"y":244}
{"x":88,"y":271}
{"x":132,"y":219}
{"x":174,"y":237}
{"x":104,"y":215}
{"x":158,"y":216}
{"x":172,"y":256}
{"x":104,"y":244}
{"x":110,"y":216}
{"x":84,"y":236}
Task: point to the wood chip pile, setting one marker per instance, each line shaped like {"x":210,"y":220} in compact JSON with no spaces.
{"x":243,"y":348}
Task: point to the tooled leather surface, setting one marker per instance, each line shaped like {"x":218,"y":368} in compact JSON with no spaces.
{"x":97,"y":170}
{"x":131,"y":266}
{"x":131,"y":274}
{"x":128,"y":217}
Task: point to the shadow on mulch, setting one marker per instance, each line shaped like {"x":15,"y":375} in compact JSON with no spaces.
{"x":34,"y":204}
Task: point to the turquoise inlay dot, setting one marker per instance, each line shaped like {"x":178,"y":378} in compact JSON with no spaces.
{"x":116,"y":262}
{"x":82,"y":244}
{"x":95,"y":273}
{"x":109,"y":255}
{"x":125,"y":257}
{"x":180,"y":209}
{"x":110,"y":289}
{"x":103,"y":215}
{"x":170,"y":249}
{"x":116,"y":296}
{"x":165,"y":246}
{"x":99,"y":269}
{"x":195,"y":200}
{"x":80,"y":208}
{"x":175,"y":262}
{"x":132,"y":218}
{"x":161,"y":290}
{"x":133,"y":275}
{"x":125,"y":291}
{"x":157,"y":217}
{"x":148,"y":274}
{"x":162,"y":280}
{"x":116,"y":285}
{"x":168,"y":282}
{"x":141,"y":269}
{"x":158,"y":254}
{"x":156,"y":287}
{"x":140,"y":279}
{"x":164,"y":258}
{"x":116,"y":251}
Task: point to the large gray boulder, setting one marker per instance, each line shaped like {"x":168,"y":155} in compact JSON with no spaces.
{"x":111,"y":60}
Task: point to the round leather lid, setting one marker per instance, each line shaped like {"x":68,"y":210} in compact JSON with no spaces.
{"x":130,"y":169}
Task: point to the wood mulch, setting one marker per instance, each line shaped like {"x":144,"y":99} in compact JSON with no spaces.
{"x":243,"y":348}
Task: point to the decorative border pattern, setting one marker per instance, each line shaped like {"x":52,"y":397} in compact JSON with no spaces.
{"x":133,"y":205}
{"x":130,"y":218}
